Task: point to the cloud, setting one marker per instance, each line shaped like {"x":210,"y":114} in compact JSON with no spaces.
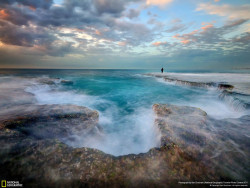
{"x":209,"y":35}
{"x":176,"y":20}
{"x":56,"y":48}
{"x":70,"y":13}
{"x":39,"y":40}
{"x":133,"y":13}
{"x":158,"y":43}
{"x":109,"y":6}
{"x":207,"y":27}
{"x":122,"y":43}
{"x":22,"y":36}
{"x":43,"y":4}
{"x":99,"y":20}
{"x":243,"y":38}
{"x":3,"y":14}
{"x":160,"y":3}
{"x":109,"y":28}
{"x":187,"y":38}
{"x":185,"y":41}
{"x":230,"y":11}
{"x":133,"y":33}
{"x":98,"y":32}
{"x":177,"y":26}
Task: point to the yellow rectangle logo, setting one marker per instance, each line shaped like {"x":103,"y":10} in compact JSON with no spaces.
{"x":3,"y":183}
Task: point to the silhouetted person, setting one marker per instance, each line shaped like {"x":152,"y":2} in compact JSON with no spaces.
{"x":162,"y":70}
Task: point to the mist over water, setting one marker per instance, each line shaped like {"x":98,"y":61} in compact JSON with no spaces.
{"x":124,"y":101}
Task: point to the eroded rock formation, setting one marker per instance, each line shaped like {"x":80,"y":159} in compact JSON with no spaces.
{"x":33,"y":153}
{"x":212,"y":142}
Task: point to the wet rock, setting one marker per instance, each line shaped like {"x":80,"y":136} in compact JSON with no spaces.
{"x":222,"y":86}
{"x":190,"y":83}
{"x":10,"y":97}
{"x":184,"y":82}
{"x":48,"y":81}
{"x":181,"y":125}
{"x":50,"y":121}
{"x":220,"y":145}
{"x":67,"y":82}
{"x":40,"y":160}
{"x":225,"y":86}
{"x":55,"y":164}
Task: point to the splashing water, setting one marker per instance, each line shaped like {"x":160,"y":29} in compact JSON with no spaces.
{"x":124,"y":101}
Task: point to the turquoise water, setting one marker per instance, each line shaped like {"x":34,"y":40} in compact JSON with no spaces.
{"x":124,"y":100}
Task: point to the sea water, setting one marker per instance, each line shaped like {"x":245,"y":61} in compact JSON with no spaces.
{"x":124,"y":100}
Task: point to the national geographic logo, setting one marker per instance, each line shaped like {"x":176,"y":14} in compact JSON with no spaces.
{"x":5,"y":183}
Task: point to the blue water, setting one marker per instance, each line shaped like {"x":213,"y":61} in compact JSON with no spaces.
{"x":124,"y":100}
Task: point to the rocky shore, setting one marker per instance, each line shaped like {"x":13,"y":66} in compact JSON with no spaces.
{"x":235,"y":92}
{"x":34,"y":150}
{"x":33,"y":153}
{"x":204,"y":84}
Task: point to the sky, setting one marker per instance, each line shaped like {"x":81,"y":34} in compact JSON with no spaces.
{"x":139,"y":34}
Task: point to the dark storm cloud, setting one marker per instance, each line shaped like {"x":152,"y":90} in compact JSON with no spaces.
{"x":78,"y":13}
{"x":70,"y":13}
{"x":109,"y":6}
{"x":83,"y":4}
{"x":45,"y":4}
{"x":65,"y":15}
{"x":44,"y":42}
{"x":16,"y":17}
{"x":22,"y":36}
{"x":38,"y":24}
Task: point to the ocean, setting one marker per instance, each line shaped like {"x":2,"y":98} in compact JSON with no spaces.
{"x":124,"y":100}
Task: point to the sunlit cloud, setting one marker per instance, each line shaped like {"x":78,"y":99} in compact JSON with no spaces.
{"x":185,"y":41}
{"x":206,"y":27}
{"x":3,"y":14}
{"x":97,"y":32}
{"x":32,"y":8}
{"x":230,"y":11}
{"x":160,"y":3}
{"x":158,"y":43}
{"x":122,"y":43}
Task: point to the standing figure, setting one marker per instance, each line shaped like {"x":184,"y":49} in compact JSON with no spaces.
{"x":162,"y":70}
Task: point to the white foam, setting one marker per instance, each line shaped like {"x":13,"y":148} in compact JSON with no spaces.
{"x":123,"y":134}
{"x":209,"y":77}
{"x":138,"y":138}
{"x":209,"y":99}
{"x":213,"y":106}
{"x":161,"y":80}
{"x":46,"y":94}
